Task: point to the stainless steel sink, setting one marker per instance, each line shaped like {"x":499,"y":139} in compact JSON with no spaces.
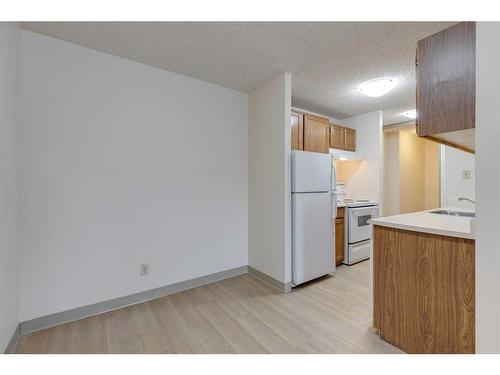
{"x":454,"y":213}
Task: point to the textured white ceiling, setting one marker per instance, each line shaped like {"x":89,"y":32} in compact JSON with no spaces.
{"x":327,"y":60}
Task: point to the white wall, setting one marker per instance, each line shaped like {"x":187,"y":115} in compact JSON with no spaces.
{"x":123,"y":164}
{"x":487,"y":187}
{"x":9,"y":254}
{"x":365,"y":177}
{"x":269,"y":197}
{"x":453,"y":186}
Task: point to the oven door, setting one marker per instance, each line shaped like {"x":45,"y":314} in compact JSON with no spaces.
{"x":359,"y":228}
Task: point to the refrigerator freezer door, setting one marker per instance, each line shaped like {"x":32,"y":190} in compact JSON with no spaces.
{"x":313,"y":254}
{"x":311,"y":172}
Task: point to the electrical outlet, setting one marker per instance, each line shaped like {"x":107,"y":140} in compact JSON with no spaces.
{"x":466,"y":174}
{"x":145,"y":269}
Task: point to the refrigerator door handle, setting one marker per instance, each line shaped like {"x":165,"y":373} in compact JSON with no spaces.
{"x":334,"y":205}
{"x":333,"y":196}
{"x":333,"y":177}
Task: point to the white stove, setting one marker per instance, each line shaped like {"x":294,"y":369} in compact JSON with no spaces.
{"x":358,"y":229}
{"x":356,"y":202}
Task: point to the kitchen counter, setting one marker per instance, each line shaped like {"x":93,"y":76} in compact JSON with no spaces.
{"x":426,"y":222}
{"x":341,"y":204}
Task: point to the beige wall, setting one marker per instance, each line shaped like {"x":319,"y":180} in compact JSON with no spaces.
{"x":391,"y":174}
{"x":431,"y":184}
{"x":411,"y":173}
{"x":346,"y":169}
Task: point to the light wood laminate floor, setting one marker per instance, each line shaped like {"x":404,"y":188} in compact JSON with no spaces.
{"x":238,"y":315}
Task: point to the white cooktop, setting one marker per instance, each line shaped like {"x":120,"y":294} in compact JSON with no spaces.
{"x":346,"y":202}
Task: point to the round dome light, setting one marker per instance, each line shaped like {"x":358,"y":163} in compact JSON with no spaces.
{"x":378,"y":87}
{"x":412,"y":113}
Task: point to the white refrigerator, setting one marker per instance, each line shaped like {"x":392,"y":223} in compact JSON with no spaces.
{"x":313,"y":215}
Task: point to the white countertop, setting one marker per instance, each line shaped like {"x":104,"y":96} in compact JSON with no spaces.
{"x":426,"y":222}
{"x":341,"y":204}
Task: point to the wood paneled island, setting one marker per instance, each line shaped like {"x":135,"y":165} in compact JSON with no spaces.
{"x":424,"y":285}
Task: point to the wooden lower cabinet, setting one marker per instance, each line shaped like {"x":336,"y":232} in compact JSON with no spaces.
{"x":424,"y":291}
{"x":339,"y":236}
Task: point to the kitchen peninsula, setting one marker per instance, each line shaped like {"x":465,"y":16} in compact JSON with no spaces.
{"x":423,"y":281}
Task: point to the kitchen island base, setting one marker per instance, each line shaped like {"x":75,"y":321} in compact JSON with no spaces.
{"x":423,"y":291}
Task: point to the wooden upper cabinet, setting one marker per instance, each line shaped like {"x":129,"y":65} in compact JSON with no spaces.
{"x":316,"y":134}
{"x":342,"y":138}
{"x":297,"y":125}
{"x":337,"y":136}
{"x":446,"y":80}
{"x":350,"y":139}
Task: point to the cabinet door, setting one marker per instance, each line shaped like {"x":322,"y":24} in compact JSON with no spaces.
{"x":339,"y":241}
{"x":340,"y":212}
{"x":337,"y":137}
{"x":446,"y":76}
{"x":316,"y":134}
{"x":350,"y":139}
{"x":297,"y":125}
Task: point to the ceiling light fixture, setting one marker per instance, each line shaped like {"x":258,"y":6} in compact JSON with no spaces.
{"x":378,"y":87}
{"x":412,"y":113}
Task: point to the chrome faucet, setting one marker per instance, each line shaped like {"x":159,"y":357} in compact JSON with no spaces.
{"x":466,"y":199}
